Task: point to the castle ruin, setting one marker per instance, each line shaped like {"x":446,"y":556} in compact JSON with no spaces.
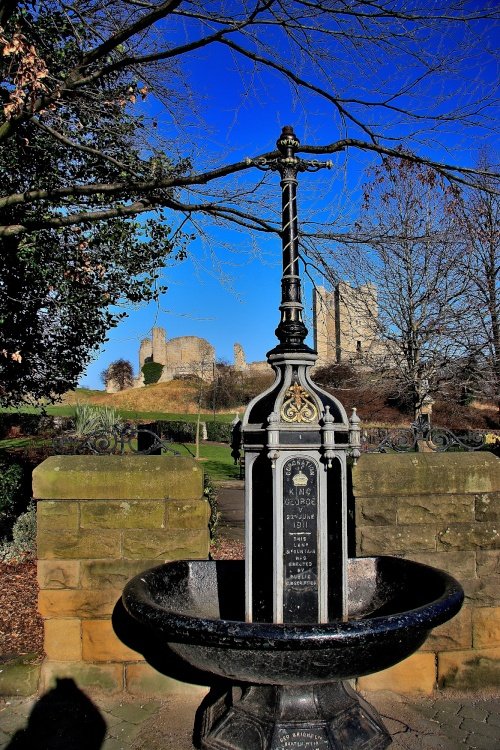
{"x":345,"y":330}
{"x":184,"y":356}
{"x":180,"y":357}
{"x":345,"y":324}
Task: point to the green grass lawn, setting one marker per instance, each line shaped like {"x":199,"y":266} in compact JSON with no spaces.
{"x":68,"y":410}
{"x":23,"y":442}
{"x":215,"y":458}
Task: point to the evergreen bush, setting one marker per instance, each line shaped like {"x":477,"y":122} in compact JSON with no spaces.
{"x":11,"y":493}
{"x":219,"y":432}
{"x":210,"y":492}
{"x":179,"y":432}
{"x":23,"y":544}
{"x":152,"y":372}
{"x":26,"y":424}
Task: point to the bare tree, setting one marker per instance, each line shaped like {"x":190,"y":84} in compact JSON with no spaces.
{"x":99,"y":124}
{"x":477,"y":214}
{"x":375,"y":66}
{"x":409,"y":254}
{"x":204,"y":369}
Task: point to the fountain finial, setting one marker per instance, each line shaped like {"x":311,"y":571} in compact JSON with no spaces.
{"x":288,"y":142}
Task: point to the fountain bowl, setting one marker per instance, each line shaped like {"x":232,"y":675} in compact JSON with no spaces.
{"x":197,"y":607}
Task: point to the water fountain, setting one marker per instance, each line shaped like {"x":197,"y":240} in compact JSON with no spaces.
{"x":291,"y":625}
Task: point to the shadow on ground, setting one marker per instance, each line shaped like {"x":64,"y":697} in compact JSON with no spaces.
{"x":62,"y":719}
{"x":155,"y":650}
{"x":152,"y":645}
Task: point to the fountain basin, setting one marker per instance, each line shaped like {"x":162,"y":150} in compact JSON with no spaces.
{"x":198,"y":607}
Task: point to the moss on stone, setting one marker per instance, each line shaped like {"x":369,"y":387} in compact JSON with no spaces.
{"x":425,"y":474}
{"x":118,"y":478}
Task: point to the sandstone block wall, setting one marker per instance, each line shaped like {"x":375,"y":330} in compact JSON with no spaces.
{"x":102,"y":520}
{"x":442,"y":510}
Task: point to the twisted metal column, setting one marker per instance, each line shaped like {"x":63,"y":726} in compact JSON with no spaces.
{"x":291,"y":330}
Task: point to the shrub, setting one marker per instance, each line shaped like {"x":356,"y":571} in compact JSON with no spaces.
{"x":90,"y":419}
{"x":210,"y":493}
{"x":11,"y":478}
{"x":23,"y":544}
{"x":179,"y":432}
{"x":152,"y":372}
{"x":218,"y":432}
{"x":25,"y":424}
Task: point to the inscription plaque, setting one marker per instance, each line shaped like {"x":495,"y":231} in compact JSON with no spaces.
{"x":300,"y":540}
{"x":295,"y":738}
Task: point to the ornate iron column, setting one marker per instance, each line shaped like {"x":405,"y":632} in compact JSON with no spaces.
{"x":291,"y":330}
{"x":296,"y":441}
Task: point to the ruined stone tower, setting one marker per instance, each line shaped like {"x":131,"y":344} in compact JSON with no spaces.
{"x":154,"y":349}
{"x":345,"y":324}
{"x":183,"y":355}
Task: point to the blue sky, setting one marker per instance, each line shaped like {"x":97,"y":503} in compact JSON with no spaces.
{"x":231,"y":298}
{"x":228,"y":289}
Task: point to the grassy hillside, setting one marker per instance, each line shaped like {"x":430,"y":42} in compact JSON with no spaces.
{"x":177,"y":399}
{"x":174,"y":400}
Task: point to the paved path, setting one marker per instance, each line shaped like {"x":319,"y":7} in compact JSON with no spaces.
{"x":232,"y":509}
{"x":447,"y":721}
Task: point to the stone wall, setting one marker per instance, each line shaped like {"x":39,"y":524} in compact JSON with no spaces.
{"x":101,"y":520}
{"x":442,"y":510}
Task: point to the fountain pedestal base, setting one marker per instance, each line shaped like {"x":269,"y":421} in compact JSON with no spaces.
{"x":325,"y":716}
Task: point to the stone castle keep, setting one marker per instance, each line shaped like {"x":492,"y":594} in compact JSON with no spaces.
{"x":344,"y":327}
{"x":187,"y":355}
{"x":345,"y":324}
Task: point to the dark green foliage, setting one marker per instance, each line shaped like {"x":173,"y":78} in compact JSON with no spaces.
{"x":11,"y":494}
{"x":218,"y":432}
{"x":26,"y":424}
{"x":60,"y":286}
{"x":152,"y":372}
{"x":32,"y":424}
{"x":210,"y":492}
{"x":23,"y":544}
{"x":179,"y":432}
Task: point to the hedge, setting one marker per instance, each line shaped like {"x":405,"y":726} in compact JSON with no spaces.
{"x":185,"y":432}
{"x":219,"y":432}
{"x":179,"y":432}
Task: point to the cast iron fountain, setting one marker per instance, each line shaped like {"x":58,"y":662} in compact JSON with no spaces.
{"x":287,"y":628}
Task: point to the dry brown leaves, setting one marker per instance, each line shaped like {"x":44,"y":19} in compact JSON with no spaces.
{"x":225,"y":549}
{"x":21,"y":627}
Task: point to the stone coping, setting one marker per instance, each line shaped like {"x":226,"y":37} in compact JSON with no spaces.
{"x":130,"y":477}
